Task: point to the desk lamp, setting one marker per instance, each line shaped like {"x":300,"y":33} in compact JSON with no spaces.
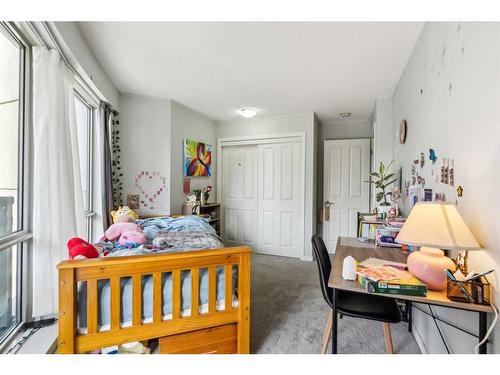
{"x":435,"y":226}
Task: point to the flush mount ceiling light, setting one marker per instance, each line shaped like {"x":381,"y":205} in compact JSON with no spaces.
{"x":247,"y":112}
{"x":345,"y":114}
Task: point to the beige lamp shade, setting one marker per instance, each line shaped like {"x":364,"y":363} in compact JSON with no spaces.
{"x":437,"y":224}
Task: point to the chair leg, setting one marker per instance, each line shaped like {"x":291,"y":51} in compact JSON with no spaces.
{"x":388,"y":339}
{"x":327,"y":333}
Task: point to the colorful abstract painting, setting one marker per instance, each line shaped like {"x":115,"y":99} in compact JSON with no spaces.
{"x":197,"y":158}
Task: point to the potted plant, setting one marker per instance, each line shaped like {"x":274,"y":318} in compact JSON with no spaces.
{"x":382,"y":180}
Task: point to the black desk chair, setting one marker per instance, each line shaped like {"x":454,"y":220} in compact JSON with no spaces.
{"x":357,"y":305}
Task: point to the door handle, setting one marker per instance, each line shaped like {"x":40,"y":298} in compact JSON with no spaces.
{"x":327,"y":206}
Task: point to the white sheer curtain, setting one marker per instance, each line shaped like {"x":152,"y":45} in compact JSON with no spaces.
{"x":57,"y":195}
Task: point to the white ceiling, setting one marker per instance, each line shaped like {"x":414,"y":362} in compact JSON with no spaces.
{"x":278,"y":68}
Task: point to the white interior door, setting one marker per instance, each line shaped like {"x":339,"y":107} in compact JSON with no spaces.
{"x":279,"y":169}
{"x":239,"y":195}
{"x":346,"y":168}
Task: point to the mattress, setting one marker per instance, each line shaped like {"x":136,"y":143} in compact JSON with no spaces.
{"x":104,"y":298}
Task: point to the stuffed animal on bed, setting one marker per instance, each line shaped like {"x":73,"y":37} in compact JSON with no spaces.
{"x":132,"y":239}
{"x":116,"y":230}
{"x":81,"y":249}
{"x":123,"y":215}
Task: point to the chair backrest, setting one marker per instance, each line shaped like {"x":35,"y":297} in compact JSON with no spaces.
{"x":324,"y":267}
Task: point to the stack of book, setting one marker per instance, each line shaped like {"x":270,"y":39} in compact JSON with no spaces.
{"x":390,"y":280}
{"x":385,"y":235}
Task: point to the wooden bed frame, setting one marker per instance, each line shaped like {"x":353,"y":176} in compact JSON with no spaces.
{"x":71,"y":272}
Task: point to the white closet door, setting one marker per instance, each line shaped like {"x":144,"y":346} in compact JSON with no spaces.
{"x":239,"y":196}
{"x":279,"y":199}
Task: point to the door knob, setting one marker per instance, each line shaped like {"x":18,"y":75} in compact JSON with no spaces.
{"x":327,"y":206}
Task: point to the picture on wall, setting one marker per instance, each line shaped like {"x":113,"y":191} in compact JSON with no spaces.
{"x":197,"y":159}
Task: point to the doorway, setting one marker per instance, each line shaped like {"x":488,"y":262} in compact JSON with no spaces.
{"x":345,"y":190}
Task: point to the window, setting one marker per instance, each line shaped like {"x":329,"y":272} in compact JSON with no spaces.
{"x":9,"y":287}
{"x":12,"y":166}
{"x":84,"y":123}
{"x":15,"y":238}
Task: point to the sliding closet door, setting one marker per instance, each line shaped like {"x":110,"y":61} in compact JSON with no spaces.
{"x":279,"y":199}
{"x":239,"y":196}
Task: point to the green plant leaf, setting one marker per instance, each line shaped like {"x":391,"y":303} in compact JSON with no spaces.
{"x":388,"y":183}
{"x":389,"y":176}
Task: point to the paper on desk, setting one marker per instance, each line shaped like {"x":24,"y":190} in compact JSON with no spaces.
{"x":385,"y":273}
{"x":376,"y":262}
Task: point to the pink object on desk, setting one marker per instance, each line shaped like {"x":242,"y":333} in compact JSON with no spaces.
{"x":435,"y":226}
{"x":428,"y":265}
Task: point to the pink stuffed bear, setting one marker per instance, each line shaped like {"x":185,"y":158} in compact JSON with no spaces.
{"x":132,"y":238}
{"x":134,"y":233}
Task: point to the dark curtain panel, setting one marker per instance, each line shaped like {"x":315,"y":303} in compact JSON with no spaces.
{"x":106,"y":177}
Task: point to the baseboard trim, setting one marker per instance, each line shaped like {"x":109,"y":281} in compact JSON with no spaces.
{"x":307,"y":258}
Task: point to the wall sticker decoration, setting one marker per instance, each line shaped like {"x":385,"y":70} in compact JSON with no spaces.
{"x":446,"y":171}
{"x":439,"y":197}
{"x":442,"y":171}
{"x":428,"y":195}
{"x":407,"y":187}
{"x":151,"y":185}
{"x":451,"y":174}
{"x":197,"y":159}
{"x":432,"y":156}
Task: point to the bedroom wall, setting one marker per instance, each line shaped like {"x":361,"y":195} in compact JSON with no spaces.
{"x":145,"y":139}
{"x":346,"y":129}
{"x":384,"y":138}
{"x":170,"y":122}
{"x":186,"y":123}
{"x":449,"y":93}
{"x":303,"y":122}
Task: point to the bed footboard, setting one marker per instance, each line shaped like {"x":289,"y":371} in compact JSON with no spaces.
{"x":71,"y":273}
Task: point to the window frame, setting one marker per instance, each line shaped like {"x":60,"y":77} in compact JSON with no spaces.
{"x":22,"y":236}
{"x":30,"y":34}
{"x":89,"y":100}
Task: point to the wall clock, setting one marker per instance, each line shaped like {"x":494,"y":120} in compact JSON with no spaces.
{"x":402,"y":131}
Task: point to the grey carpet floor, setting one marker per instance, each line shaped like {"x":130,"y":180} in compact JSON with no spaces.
{"x":288,"y":313}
